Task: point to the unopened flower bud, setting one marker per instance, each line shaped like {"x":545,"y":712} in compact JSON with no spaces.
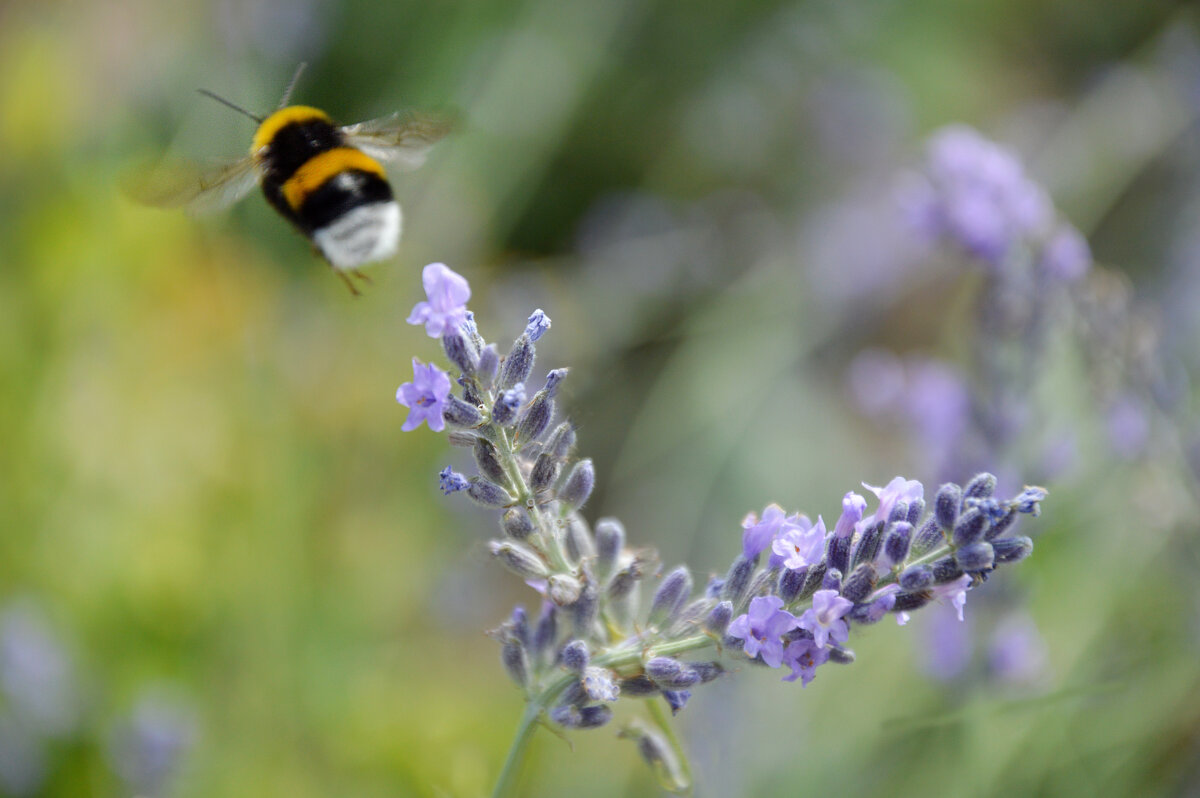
{"x":460,"y":413}
{"x":840,"y":656}
{"x":536,"y":418}
{"x":489,"y":494}
{"x":638,"y":686}
{"x":975,"y":556}
{"x":907,"y":602}
{"x":1001,"y":524}
{"x":837,"y":552}
{"x":899,"y":512}
{"x":718,"y":620}
{"x":1012,"y":549}
{"x":516,"y":661}
{"x":896,"y":542}
{"x":561,"y":441}
{"x":867,"y":547}
{"x":486,"y":367}
{"x":487,"y":458}
{"x":916,"y":508}
{"x":970,"y":527}
{"x":671,"y":674}
{"x":790,"y":583}
{"x":460,"y":352}
{"x":610,"y":540}
{"x":553,"y":378}
{"x":670,"y":596}
{"x":574,"y":656}
{"x":519,"y":559}
{"x":707,"y":671}
{"x":504,"y":412}
{"x":928,"y":537}
{"x":539,"y":322}
{"x":461,"y":438}
{"x":832,"y":580}
{"x":599,"y":684}
{"x":676,"y":699}
{"x":545,"y":633}
{"x":916,"y":577}
{"x":573,"y":717}
{"x":945,"y":570}
{"x":860,"y":583}
{"x":578,"y":539}
{"x":516,"y":523}
{"x":578,"y":485}
{"x":813,"y":580}
{"x":981,"y":486}
{"x":545,"y":470}
{"x":563,"y":590}
{"x":585,"y":610}
{"x":737,"y":580}
{"x":519,"y":363}
{"x":947,"y":504}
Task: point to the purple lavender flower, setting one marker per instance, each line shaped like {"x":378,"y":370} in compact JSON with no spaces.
{"x":898,"y":490}
{"x":446,"y":308}
{"x":853,"y":506}
{"x":803,"y":656}
{"x":35,"y":672}
{"x":1127,"y":426}
{"x":760,"y":533}
{"x":539,"y":322}
{"x":1066,"y":256}
{"x":956,"y":591}
{"x":800,"y":548}
{"x":1017,"y":653}
{"x":946,"y":651}
{"x":824,"y":619}
{"x":425,"y":396}
{"x":450,"y":481}
{"x":762,"y":627}
{"x":148,"y":748}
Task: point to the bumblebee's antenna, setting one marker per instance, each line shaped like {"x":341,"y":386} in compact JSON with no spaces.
{"x":287,"y":93}
{"x":223,"y":101}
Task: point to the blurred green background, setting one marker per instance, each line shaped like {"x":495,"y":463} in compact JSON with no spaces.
{"x":225,"y":571}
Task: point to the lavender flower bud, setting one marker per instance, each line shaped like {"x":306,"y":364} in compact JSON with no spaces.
{"x":460,"y":352}
{"x":860,"y":583}
{"x":945,"y":506}
{"x":489,"y":494}
{"x":1027,"y":501}
{"x":638,"y":686}
{"x":813,"y":580}
{"x":563,"y":590}
{"x":519,"y":559}
{"x":545,"y":633}
{"x":518,"y":624}
{"x":981,"y":486}
{"x":1001,"y":524}
{"x":599,"y":684}
{"x":578,"y":485}
{"x":460,"y":413}
{"x":760,"y":583}
{"x":928,"y":538}
{"x":832,"y":580}
{"x":624,"y":581}
{"x":707,"y":671}
{"x":507,"y":403}
{"x":841,"y":656}
{"x":545,"y":471}
{"x":516,"y":524}
{"x":553,"y":378}
{"x":515,"y":660}
{"x":487,"y":459}
{"x":536,"y":418}
{"x":578,"y":539}
{"x":837,"y":553}
{"x":907,"y":602}
{"x":671,"y":674}
{"x":450,"y":481}
{"x":790,"y":583}
{"x":1012,"y":549}
{"x":899,"y":513}
{"x":670,"y":596}
{"x":975,"y":556}
{"x":718,"y":620}
{"x":970,"y":527}
{"x":461,"y":438}
{"x":737,"y":580}
{"x":945,"y":570}
{"x":574,"y":656}
{"x":895,"y":544}
{"x":610,"y":540}
{"x":518,"y":365}
{"x":867,"y":547}
{"x":573,"y":717}
{"x":486,"y":367}
{"x":561,"y":441}
{"x":692,"y":615}
{"x":585,"y":610}
{"x":916,"y":577}
{"x":916,"y":509}
{"x":539,"y":322}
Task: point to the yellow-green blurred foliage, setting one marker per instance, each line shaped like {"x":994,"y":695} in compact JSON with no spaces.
{"x":203,"y":484}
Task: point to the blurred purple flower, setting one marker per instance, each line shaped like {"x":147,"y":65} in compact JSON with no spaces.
{"x":1066,"y":256}
{"x":1017,"y":653}
{"x":1128,"y":426}
{"x":762,"y":627}
{"x":425,"y":396}
{"x":446,"y":307}
{"x":146,"y":749}
{"x":946,"y":651}
{"x":35,"y":672}
{"x":876,"y":378}
{"x":824,"y":618}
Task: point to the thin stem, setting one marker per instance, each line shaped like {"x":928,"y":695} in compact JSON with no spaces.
{"x":506,"y":784}
{"x":659,"y":716}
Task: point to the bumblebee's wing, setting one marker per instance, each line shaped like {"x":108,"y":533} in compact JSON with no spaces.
{"x":404,"y":139}
{"x":178,"y":184}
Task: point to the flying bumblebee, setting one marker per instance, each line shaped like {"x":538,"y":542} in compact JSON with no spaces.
{"x":325,"y":179}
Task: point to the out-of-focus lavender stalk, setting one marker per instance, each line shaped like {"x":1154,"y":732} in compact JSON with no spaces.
{"x":790,"y":596}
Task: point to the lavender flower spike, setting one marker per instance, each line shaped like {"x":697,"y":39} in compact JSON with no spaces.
{"x":446,"y":307}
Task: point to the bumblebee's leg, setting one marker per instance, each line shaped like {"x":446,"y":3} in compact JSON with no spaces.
{"x":349,"y":283}
{"x":365,"y":278}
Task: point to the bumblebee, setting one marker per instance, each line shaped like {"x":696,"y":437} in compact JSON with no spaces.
{"x":326,"y":179}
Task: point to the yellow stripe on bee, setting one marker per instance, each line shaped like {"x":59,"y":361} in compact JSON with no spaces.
{"x":316,"y":170}
{"x":271,"y":126}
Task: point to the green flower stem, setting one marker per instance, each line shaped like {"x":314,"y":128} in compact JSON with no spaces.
{"x":659,"y":716}
{"x":506,"y":784}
